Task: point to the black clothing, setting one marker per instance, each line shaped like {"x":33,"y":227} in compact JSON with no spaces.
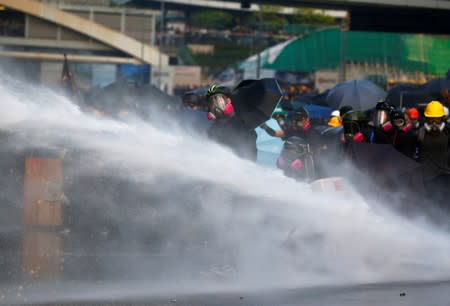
{"x":405,"y":142}
{"x":234,"y":134}
{"x":433,"y":153}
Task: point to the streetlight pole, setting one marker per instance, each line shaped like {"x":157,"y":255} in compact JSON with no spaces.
{"x":161,"y":37}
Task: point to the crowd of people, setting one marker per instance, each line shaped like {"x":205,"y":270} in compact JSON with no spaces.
{"x":421,"y":136}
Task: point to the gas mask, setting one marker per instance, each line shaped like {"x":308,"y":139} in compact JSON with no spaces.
{"x":219,"y":107}
{"x":434,"y":126}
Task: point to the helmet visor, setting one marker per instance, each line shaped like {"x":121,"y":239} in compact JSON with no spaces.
{"x":380,"y":118}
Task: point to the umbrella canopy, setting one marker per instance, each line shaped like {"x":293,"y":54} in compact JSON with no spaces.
{"x":124,"y":95}
{"x":255,"y":100}
{"x":393,"y":172}
{"x":407,"y":95}
{"x":362,"y":95}
{"x":433,"y":88}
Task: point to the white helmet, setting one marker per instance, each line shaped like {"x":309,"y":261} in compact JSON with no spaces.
{"x":335,"y":113}
{"x":446,"y":111}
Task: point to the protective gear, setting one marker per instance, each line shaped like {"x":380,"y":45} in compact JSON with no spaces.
{"x":434,"y":127}
{"x":434,"y":109}
{"x":279,"y":112}
{"x":306,"y":126}
{"x":301,"y":114}
{"x":446,"y":111}
{"x":413,"y":113}
{"x":353,"y":122}
{"x":380,"y":117}
{"x":345,"y":109}
{"x":210,"y":116}
{"x":387,"y":126}
{"x":300,"y":118}
{"x":217,"y":89}
{"x":407,"y":127}
{"x":296,"y":164}
{"x":397,"y":118}
{"x":359,"y":137}
{"x":219,"y":107}
{"x":334,"y":122}
{"x":335,"y":113}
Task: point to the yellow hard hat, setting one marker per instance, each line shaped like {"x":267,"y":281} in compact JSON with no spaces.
{"x":434,"y":109}
{"x":334,"y":122}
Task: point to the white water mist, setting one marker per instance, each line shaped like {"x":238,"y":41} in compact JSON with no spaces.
{"x":272,"y":231}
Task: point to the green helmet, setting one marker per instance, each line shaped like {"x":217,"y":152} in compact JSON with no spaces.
{"x":217,"y":89}
{"x":279,"y":111}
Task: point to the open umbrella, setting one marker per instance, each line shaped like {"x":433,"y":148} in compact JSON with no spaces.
{"x":433,"y":88}
{"x":394,"y":173}
{"x":255,"y":100}
{"x":362,"y":95}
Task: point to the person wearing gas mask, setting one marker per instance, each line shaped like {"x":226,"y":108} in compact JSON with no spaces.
{"x":280,"y":115}
{"x":356,"y":127}
{"x":227,"y":128}
{"x":296,"y":160}
{"x":412,"y":118}
{"x":381,"y":128}
{"x":299,"y":125}
{"x":403,"y":133}
{"x":433,"y":152}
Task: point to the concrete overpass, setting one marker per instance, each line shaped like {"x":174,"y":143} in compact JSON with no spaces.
{"x":137,"y":51}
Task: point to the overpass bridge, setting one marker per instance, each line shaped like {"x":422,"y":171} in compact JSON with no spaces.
{"x":100,"y":38}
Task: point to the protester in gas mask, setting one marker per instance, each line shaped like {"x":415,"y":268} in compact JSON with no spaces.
{"x":356,"y":127}
{"x":296,"y":160}
{"x":433,"y":153}
{"x":381,"y":128}
{"x":412,"y":117}
{"x":403,"y":136}
{"x":227,"y":128}
{"x":297,"y":124}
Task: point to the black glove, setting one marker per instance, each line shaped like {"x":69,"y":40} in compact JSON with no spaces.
{"x":268,"y":129}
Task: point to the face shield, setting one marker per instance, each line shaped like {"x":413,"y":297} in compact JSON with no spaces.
{"x":380,"y":117}
{"x":217,"y":105}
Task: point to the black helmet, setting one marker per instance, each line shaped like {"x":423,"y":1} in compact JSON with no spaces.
{"x":300,"y":114}
{"x":397,"y":118}
{"x":354,"y":122}
{"x":218,"y":89}
{"x":345,"y":109}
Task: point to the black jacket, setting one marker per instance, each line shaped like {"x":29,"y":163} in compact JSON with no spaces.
{"x":235,"y":134}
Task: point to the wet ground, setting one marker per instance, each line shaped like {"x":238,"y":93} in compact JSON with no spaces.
{"x":52,"y":268}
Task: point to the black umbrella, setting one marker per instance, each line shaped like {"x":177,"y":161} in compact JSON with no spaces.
{"x":434,"y":88}
{"x":362,"y":95}
{"x":255,"y":100}
{"x":407,"y":95}
{"x":124,"y":95}
{"x":196,"y":97}
{"x":396,"y":174}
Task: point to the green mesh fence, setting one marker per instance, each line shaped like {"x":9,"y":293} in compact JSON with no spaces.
{"x":327,"y":48}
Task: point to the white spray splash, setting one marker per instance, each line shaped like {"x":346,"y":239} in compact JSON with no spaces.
{"x":272,"y":231}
